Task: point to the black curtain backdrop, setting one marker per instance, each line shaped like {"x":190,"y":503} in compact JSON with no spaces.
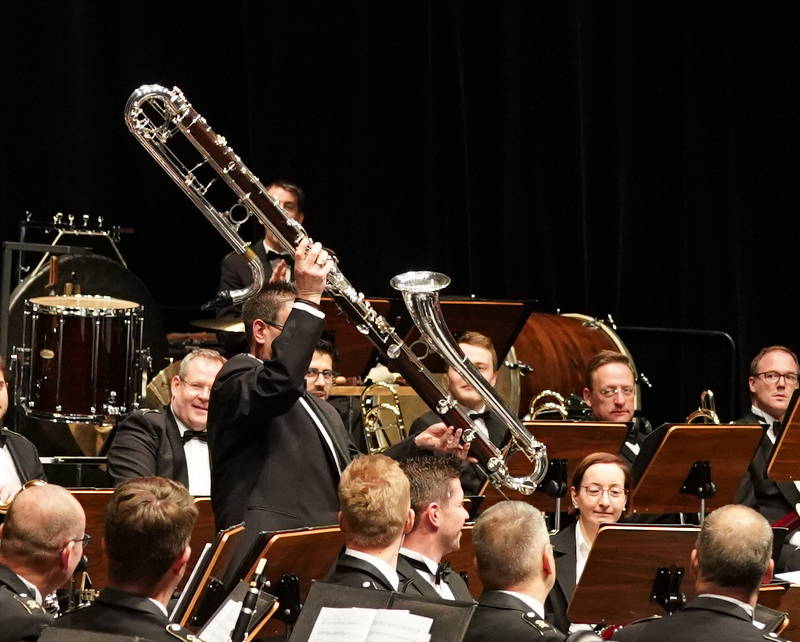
{"x":625,"y":158}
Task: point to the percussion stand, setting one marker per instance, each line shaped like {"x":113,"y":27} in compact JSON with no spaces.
{"x":5,"y":286}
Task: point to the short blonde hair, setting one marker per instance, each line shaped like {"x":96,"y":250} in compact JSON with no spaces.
{"x":374,"y":498}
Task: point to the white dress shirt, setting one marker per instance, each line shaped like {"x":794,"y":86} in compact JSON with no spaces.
{"x":441,"y":588}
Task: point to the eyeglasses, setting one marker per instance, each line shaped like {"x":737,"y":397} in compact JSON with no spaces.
{"x":774,"y":377}
{"x":196,"y":388}
{"x":615,"y":492}
{"x":313,"y":373}
{"x":275,"y":325}
{"x":627,"y":391}
{"x":84,"y":540}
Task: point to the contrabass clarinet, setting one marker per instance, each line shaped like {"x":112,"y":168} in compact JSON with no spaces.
{"x":155,"y":115}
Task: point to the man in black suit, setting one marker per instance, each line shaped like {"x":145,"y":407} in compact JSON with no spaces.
{"x":439,"y":515}
{"x":277,"y":452}
{"x":149,"y":523}
{"x":19,"y":460}
{"x":171,"y":442}
{"x":773,"y":379}
{"x":731,"y":556}
{"x":41,"y":543}
{"x":375,"y":514}
{"x":479,"y":349}
{"x":516,"y":567}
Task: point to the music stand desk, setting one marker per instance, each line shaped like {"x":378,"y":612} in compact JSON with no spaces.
{"x":784,"y":461}
{"x":728,"y":448}
{"x":570,"y":440}
{"x":617,"y":582}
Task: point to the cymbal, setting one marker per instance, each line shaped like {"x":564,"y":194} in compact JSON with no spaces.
{"x":229,"y":324}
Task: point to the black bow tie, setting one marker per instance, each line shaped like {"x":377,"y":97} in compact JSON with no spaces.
{"x":442,"y":571}
{"x":202,"y":435}
{"x":273,"y":256}
{"x":479,"y":415}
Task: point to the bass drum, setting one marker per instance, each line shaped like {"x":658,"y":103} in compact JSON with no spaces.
{"x":558,"y":347}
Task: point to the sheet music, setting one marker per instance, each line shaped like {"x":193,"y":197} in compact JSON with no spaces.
{"x":369,"y":625}
{"x":793,"y":577}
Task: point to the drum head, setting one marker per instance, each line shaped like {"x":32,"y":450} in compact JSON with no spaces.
{"x":81,"y":303}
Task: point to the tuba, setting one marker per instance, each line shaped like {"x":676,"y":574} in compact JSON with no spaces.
{"x":373,"y":412}
{"x":706,"y":413}
{"x":163,"y":121}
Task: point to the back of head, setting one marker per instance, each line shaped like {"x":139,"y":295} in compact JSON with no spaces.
{"x":149,"y":523}
{"x":509,"y":538}
{"x":40,"y":522}
{"x":734,"y":548}
{"x":429,"y":478}
{"x":374,"y":499}
{"x":266,"y":304}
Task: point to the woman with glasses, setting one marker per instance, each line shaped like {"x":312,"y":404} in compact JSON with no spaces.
{"x":599,"y":495}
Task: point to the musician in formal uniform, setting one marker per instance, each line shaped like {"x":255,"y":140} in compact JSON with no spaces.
{"x":41,"y":542}
{"x":479,"y":349}
{"x":320,"y":374}
{"x":773,"y":378}
{"x":439,"y":515}
{"x":277,"y":452}
{"x":610,"y":393}
{"x":171,"y":442}
{"x":516,"y":567}
{"x":375,"y":514}
{"x":19,"y":460}
{"x":731,"y":556}
{"x":148,"y":525}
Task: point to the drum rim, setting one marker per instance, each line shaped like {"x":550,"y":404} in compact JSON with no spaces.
{"x":41,"y":305}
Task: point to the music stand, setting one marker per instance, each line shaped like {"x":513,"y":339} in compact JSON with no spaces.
{"x":694,"y":468}
{"x":94,"y":506}
{"x":634,"y":571}
{"x":354,"y":349}
{"x":783,"y":596}
{"x":568,"y":441}
{"x":785,"y":458}
{"x":450,"y":618}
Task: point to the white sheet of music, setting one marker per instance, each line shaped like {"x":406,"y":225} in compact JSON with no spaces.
{"x":369,"y":625}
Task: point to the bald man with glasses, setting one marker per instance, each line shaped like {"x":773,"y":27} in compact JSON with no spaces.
{"x":773,"y":378}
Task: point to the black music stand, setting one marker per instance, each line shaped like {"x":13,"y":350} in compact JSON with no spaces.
{"x":687,"y":468}
{"x":634,"y":571}
{"x":450,"y":618}
{"x":567,"y":442}
{"x":785,"y":458}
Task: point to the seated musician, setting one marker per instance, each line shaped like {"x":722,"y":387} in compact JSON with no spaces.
{"x":148,"y":525}
{"x":171,"y":442}
{"x":730,"y":558}
{"x":516,"y":567}
{"x":277,"y":452}
{"x":41,"y":543}
{"x":319,"y":376}
{"x":610,"y":392}
{"x":375,"y":514}
{"x":479,"y":349}
{"x":439,"y":516}
{"x":19,"y":460}
{"x":773,"y":379}
{"x":599,"y":493}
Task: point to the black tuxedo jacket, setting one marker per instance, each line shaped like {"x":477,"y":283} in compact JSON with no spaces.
{"x":772,"y":499}
{"x":24,"y":455}
{"x":472,"y":479}
{"x":501,"y":616}
{"x":148,"y":443}
{"x":412,"y":582}
{"x":566,"y":557}
{"x":21,"y":618}
{"x":701,"y":620}
{"x":123,"y":613}
{"x":358,"y":573}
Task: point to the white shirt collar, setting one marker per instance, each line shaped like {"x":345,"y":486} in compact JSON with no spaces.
{"x":35,"y":593}
{"x":535,"y":605}
{"x":432,"y":566}
{"x":582,"y":549}
{"x":767,"y":419}
{"x":747,"y":608}
{"x":160,"y":606}
{"x":387,"y":571}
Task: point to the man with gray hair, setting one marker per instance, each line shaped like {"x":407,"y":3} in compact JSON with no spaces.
{"x":41,"y":543}
{"x":731,"y":557}
{"x":516,"y":567}
{"x":171,"y":442}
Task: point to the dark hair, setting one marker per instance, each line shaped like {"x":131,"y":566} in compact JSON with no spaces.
{"x":149,"y":522}
{"x":603,"y":358}
{"x":294,"y":188}
{"x":764,"y":351}
{"x":266,"y":304}
{"x":430,"y":481}
{"x":602,"y":458}
{"x":326,"y":347}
